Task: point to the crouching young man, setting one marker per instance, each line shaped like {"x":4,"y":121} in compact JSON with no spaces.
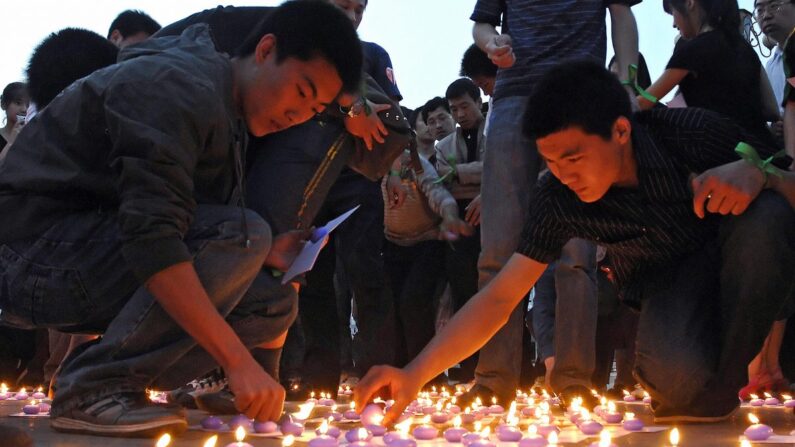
{"x":123,"y":215}
{"x":700,"y":240}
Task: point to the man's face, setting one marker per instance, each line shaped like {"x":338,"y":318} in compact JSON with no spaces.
{"x":440,"y":123}
{"x":423,"y":131}
{"x":486,"y":83}
{"x":276,"y":95}
{"x":586,"y":163}
{"x":354,"y":9}
{"x":466,"y":111}
{"x":776,"y":18}
{"x":122,"y":42}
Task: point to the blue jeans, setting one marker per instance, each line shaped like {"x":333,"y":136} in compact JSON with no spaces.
{"x":510,"y":171}
{"x":73,"y":278}
{"x":705,"y":317}
{"x":565,"y":315}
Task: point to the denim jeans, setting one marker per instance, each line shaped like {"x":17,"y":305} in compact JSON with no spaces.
{"x":74,"y":278}
{"x":416,"y":276}
{"x":705,"y":317}
{"x":510,"y":171}
{"x":565,"y":315}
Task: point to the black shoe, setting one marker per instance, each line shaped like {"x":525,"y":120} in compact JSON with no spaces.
{"x":485,"y":394}
{"x":14,"y":437}
{"x":706,"y":416}
{"x":589,"y":401}
{"x":297,"y":390}
{"x":220,"y":402}
{"x":185,"y":396}
{"x":123,"y":414}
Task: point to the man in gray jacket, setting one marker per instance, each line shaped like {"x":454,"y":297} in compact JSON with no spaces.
{"x":124,"y":215}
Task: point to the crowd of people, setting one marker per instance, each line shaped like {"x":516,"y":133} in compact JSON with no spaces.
{"x":157,"y":183}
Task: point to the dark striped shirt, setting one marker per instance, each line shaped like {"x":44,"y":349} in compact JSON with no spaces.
{"x":543,"y":34}
{"x":653,"y":224}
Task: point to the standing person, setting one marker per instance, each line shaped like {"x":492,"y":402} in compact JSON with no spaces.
{"x":14,"y":102}
{"x":528,"y":46}
{"x":142,"y":234}
{"x":436,"y":115}
{"x":131,"y":27}
{"x":700,"y":238}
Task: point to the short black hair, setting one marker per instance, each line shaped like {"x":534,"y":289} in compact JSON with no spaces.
{"x":416,"y":113}
{"x":432,"y":105}
{"x":132,"y":22}
{"x":64,"y":57}
{"x":579,"y":93}
{"x":14,"y":91}
{"x":476,"y":63}
{"x":722,"y":15}
{"x":308,"y":28}
{"x":461,"y":87}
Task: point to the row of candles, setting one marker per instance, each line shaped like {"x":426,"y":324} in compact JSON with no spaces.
{"x":22,"y":394}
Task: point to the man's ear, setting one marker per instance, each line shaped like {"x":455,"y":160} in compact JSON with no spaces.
{"x":265,"y":47}
{"x":116,"y":37}
{"x":622,"y":130}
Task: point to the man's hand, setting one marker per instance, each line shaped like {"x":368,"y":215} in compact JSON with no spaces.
{"x":257,"y":395}
{"x":368,"y":127}
{"x":395,"y":192}
{"x":285,"y":248}
{"x":500,"y":51}
{"x":472,"y":215}
{"x":727,"y":189}
{"x":387,"y":382}
{"x":453,"y":228}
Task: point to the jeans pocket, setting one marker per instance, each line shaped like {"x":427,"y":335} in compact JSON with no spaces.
{"x":35,"y":294}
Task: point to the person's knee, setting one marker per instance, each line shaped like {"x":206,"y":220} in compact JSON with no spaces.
{"x":768,"y":219}
{"x":578,"y":254}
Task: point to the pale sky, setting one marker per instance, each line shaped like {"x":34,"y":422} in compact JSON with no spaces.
{"x":425,"y":38}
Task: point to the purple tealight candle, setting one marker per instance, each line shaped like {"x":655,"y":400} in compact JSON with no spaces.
{"x":336,"y":416}
{"x":439,"y":417}
{"x":546,"y":429}
{"x":770,"y":401}
{"x":292,"y":428}
{"x":756,"y":401}
{"x":428,"y":409}
{"x":44,"y":407}
{"x":646,"y":398}
{"x":392,"y":436}
{"x":361,"y":434}
{"x":360,"y":444}
{"x":631,"y":423}
{"x":351,"y":415}
{"x":454,"y":409}
{"x":265,"y":427}
{"x":376,"y":430}
{"x":468,"y":418}
{"x":482,"y":443}
{"x":611,"y":415}
{"x":241,"y":420}
{"x":21,"y":395}
{"x":590,"y":427}
{"x":454,"y":434}
{"x":212,"y":423}
{"x":628,"y":397}
{"x":533,"y":439}
{"x":323,"y":441}
{"x":425,"y":432}
{"x":39,"y":394}
{"x":403,"y":442}
{"x":789,"y":402}
{"x":604,"y":440}
{"x":529,"y":411}
{"x":31,"y":408}
{"x":757,"y":431}
{"x":508,"y":433}
{"x":496,"y":409}
{"x":372,"y":414}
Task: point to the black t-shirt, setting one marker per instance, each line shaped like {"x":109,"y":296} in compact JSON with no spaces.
{"x":789,"y":69}
{"x":471,"y":140}
{"x":724,"y":77}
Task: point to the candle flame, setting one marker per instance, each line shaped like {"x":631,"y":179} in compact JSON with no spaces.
{"x":546,"y":420}
{"x":768,"y":395}
{"x":306,"y":410}
{"x":453,"y":400}
{"x":362,"y":434}
{"x":352,"y":405}
{"x":646,"y":394}
{"x":377,"y":419}
{"x":545,"y":408}
{"x":426,"y":420}
{"x":674,"y":437}
{"x":532,"y":430}
{"x":745,"y":443}
{"x":312,"y":395}
{"x":3,"y":387}
{"x":754,"y":396}
{"x":595,"y":393}
{"x":404,"y":426}
{"x":552,"y":439}
{"x":40,"y":390}
{"x":626,"y":393}
{"x":288,"y":441}
{"x":478,"y":402}
{"x":240,"y":434}
{"x":603,"y":401}
{"x":323,"y":429}
{"x":629,"y":415}
{"x":786,"y":396}
{"x":585,"y":415}
{"x":752,"y":417}
{"x":457,"y":422}
{"x":478,"y":426}
{"x":33,"y":402}
{"x":611,"y":406}
{"x":211,"y":442}
{"x":439,"y":406}
{"x":604,"y":439}
{"x":468,"y":410}
{"x":486,"y":432}
{"x":164,"y":440}
{"x":494,"y":401}
{"x":512,"y":409}
{"x":433,"y":388}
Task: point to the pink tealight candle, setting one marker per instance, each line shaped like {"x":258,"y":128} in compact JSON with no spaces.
{"x":482,"y":443}
{"x":454,"y":409}
{"x":590,"y":427}
{"x":528,"y":411}
{"x":39,"y":394}
{"x":292,"y":428}
{"x":469,"y":438}
{"x":532,"y":438}
{"x":265,"y":427}
{"x":361,"y":434}
{"x":454,"y":434}
{"x":789,"y":402}
{"x":508,"y":433}
{"x":44,"y":407}
{"x":439,"y":418}
{"x":376,"y":430}
{"x":21,"y":395}
{"x":351,"y":415}
{"x":393,"y":436}
{"x":628,"y":397}
{"x":31,"y":408}
{"x":372,"y":414}
{"x":323,"y":441}
{"x":604,"y":440}
{"x":756,"y":401}
{"x":610,"y":415}
{"x":646,"y":398}
{"x":240,"y":435}
{"x":425,"y":432}
{"x":631,"y":423}
{"x":757,"y":431}
{"x":212,"y":423}
{"x":770,"y":401}
{"x":241,"y":420}
{"x":403,"y":442}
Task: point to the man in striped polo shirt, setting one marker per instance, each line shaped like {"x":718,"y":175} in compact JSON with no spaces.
{"x":700,"y":240}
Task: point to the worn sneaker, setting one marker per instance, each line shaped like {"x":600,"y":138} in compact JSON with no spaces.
{"x":484,"y":393}
{"x":704,"y":417}
{"x":185,"y":396}
{"x":124,"y":415}
{"x":219,"y":402}
{"x":575,"y":391}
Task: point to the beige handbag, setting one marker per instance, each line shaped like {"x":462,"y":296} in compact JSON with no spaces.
{"x":413,"y":221}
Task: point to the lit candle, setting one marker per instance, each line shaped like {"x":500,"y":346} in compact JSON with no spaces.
{"x":439,"y":416}
{"x":265,"y":427}
{"x":241,"y":420}
{"x":323,"y":439}
{"x":631,"y":423}
{"x":468,"y":416}
{"x":401,"y":432}
{"x":164,"y":441}
{"x":769,"y":400}
{"x":44,"y":407}
{"x":509,"y":433}
{"x":611,"y":416}
{"x":31,"y":408}
{"x":372,"y":415}
{"x":575,"y":407}
{"x":433,"y":392}
{"x":789,"y":402}
{"x":533,"y":439}
{"x":494,"y":408}
{"x":211,"y":441}
{"x":212,"y":423}
{"x":476,"y":435}
{"x":646,"y":398}
{"x":347,"y":391}
{"x":756,"y":401}
{"x":425,"y":432}
{"x":3,"y":391}
{"x":588,"y":426}
{"x":351,"y":413}
{"x":745,"y":443}
{"x":39,"y":394}
{"x":604,"y":440}
{"x":757,"y":431}
{"x":21,"y":395}
{"x":628,"y":397}
{"x":674,"y":437}
{"x":456,"y":432}
{"x":546,"y":427}
{"x":599,"y":409}
{"x":362,"y":434}
{"x":240,"y":435}
{"x":336,"y":415}
{"x":326,"y":400}
{"x":291,"y":427}
{"x":376,"y":428}
{"x":552,"y":439}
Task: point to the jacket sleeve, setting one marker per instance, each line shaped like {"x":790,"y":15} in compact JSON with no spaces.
{"x":157,"y":134}
{"x":439,"y":198}
{"x":443,"y":166}
{"x":469,"y":173}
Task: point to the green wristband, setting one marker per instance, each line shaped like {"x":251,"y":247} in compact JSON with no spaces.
{"x":749,"y":154}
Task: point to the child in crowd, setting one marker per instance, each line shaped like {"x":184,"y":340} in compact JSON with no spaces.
{"x":14,"y":102}
{"x":701,"y":241}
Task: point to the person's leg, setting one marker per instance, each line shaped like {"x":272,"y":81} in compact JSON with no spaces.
{"x":510,"y":170}
{"x":461,"y":266}
{"x":417,"y":301}
{"x":575,"y":316}
{"x":397,"y":263}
